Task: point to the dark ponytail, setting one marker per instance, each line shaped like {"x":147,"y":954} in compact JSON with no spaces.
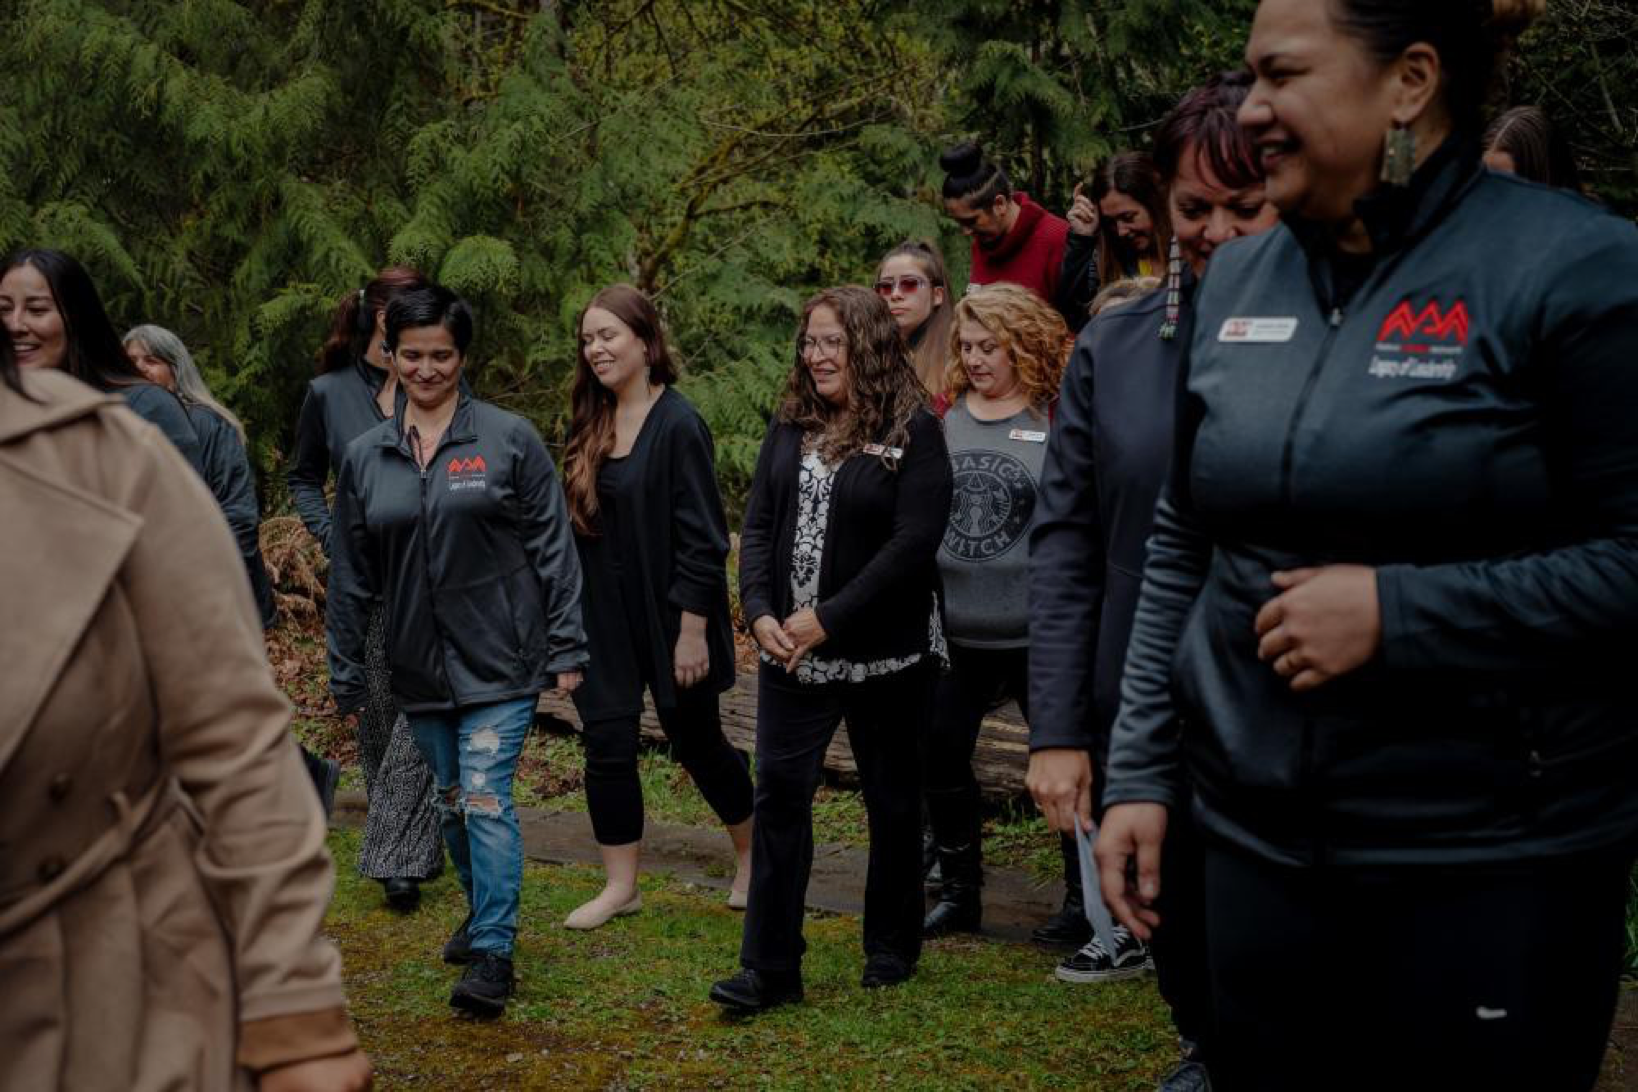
{"x":354,"y":322}
{"x":1470,"y":36}
{"x":969,"y":177}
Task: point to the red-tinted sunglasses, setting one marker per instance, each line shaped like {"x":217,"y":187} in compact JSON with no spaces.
{"x":908,"y":285}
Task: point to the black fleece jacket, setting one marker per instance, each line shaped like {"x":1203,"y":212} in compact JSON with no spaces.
{"x":340,"y":406}
{"x":474,"y":558}
{"x":233,"y":484}
{"x":1463,"y":424}
{"x":879,"y":575}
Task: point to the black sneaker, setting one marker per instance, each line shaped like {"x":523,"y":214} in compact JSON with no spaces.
{"x":485,"y":987}
{"x":1093,"y":964}
{"x":458,"y":948}
{"x":883,"y":969}
{"x":1187,"y":1077}
{"x":757,"y":991}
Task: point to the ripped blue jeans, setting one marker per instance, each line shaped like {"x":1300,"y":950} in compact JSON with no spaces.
{"x":473,"y":753}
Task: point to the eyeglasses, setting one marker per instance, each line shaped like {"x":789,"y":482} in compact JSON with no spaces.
{"x":830,"y":344}
{"x":908,"y":285}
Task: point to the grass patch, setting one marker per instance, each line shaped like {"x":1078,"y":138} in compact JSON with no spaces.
{"x":625,"y":1007}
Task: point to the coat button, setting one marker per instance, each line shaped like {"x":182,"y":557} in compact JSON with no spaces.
{"x":58,"y":789}
{"x":51,"y":868}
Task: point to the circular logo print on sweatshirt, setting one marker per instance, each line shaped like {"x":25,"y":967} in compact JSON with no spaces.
{"x":993,"y":502}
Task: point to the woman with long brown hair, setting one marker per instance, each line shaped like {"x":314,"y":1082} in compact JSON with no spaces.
{"x":641,"y":480}
{"x":355,"y":391}
{"x":839,"y":580}
{"x":912,"y":280}
{"x":1119,"y":226}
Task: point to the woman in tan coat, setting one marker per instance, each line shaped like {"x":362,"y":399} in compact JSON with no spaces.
{"x":163,"y":874}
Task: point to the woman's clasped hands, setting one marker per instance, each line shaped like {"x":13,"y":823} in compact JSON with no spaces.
{"x":790,"y":641}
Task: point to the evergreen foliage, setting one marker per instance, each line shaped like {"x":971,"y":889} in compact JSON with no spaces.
{"x":231,"y":168}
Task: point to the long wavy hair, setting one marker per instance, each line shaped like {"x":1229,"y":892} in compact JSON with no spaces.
{"x":190,"y":384}
{"x":883,"y":392}
{"x":591,"y":426}
{"x":927,"y":354}
{"x":1033,"y":334}
{"x":1135,"y":175}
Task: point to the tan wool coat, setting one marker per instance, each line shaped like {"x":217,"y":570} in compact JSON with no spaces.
{"x":163,"y":875}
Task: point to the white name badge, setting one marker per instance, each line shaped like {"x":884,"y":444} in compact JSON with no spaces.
{"x":1027,"y":435}
{"x":890,"y":452}
{"x":1257,"y":331}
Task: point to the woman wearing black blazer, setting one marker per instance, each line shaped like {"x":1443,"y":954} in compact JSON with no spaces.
{"x":653,"y":542}
{"x":839,"y":579}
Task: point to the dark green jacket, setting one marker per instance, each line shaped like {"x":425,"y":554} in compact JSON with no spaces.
{"x":474,"y":558}
{"x":1464,"y":424}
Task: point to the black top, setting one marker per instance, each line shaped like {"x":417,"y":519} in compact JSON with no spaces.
{"x":662,"y":549}
{"x":879,"y":575}
{"x":228,"y":473}
{"x":1464,"y":426}
{"x":340,"y":406}
{"x":1106,"y":461}
{"x":164,"y":410}
{"x":473,"y":556}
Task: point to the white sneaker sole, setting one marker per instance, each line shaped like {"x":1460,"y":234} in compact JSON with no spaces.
{"x":1079,"y":978}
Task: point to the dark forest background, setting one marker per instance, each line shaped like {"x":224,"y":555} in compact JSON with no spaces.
{"x":229,"y":169}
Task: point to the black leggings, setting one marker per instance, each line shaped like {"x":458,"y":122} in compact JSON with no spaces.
{"x":1496,"y":977}
{"x":614,"y":795}
{"x":979,"y":679}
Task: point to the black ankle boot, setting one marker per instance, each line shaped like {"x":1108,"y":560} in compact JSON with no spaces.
{"x":757,"y":991}
{"x":960,"y":907}
{"x":1068,"y":928}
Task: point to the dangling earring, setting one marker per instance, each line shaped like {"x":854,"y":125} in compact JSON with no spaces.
{"x":1174,"y":292}
{"x":1398,"y":155}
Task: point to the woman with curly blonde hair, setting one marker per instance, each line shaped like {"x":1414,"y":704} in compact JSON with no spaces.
{"x":838,"y":580}
{"x":1007,"y":353}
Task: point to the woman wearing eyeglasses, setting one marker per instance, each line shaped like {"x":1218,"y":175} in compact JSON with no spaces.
{"x":839,"y":578}
{"x":911,"y":279}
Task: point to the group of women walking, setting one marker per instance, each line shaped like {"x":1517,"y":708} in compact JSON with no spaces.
{"x":1312,"y":568}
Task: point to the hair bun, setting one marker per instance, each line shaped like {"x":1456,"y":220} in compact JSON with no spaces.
{"x":1513,"y":17}
{"x":962,"y":161}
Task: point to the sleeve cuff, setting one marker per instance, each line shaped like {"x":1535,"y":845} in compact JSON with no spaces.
{"x":297,"y":1037}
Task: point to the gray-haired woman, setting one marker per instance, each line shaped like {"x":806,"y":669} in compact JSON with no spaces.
{"x":164,"y":361}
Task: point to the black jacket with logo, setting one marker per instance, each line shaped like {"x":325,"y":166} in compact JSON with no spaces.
{"x":1464,"y":424}
{"x":340,"y":406}
{"x":474,"y":558}
{"x":1106,"y":463}
{"x":879,"y":568}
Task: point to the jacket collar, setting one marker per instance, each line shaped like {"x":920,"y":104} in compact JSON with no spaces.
{"x":374,"y":378}
{"x":1029,"y":214}
{"x":1396,"y":216}
{"x":53,"y":397}
{"x":462,"y":429}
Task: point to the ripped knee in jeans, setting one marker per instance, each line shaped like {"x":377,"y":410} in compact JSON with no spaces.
{"x":447,"y":800}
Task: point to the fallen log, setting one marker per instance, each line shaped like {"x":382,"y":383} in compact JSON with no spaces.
{"x":999,"y":760}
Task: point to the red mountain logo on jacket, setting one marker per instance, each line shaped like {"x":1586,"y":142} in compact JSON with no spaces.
{"x":467,"y":473}
{"x":1432,"y":321}
{"x":1424,"y":343}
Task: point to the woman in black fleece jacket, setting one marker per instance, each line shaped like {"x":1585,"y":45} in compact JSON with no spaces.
{"x":839,"y":579}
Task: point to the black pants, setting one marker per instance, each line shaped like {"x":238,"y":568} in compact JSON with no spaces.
{"x":614,"y":795}
{"x":1182,"y":969}
{"x":1495,"y":977}
{"x":979,"y":679}
{"x":886,"y":718}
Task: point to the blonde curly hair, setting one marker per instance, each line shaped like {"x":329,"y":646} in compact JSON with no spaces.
{"x":1032,"y":333}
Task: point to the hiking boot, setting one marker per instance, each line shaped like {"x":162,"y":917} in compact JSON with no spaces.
{"x":757,"y":991}
{"x":885,"y":969}
{"x":458,"y":948}
{"x":402,"y":893}
{"x":1068,"y":928}
{"x":1093,"y":964}
{"x":931,"y":874}
{"x":485,"y":986}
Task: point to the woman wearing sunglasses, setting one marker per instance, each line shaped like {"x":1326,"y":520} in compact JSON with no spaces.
{"x":911,"y":279}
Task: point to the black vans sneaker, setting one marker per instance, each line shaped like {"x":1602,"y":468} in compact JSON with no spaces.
{"x":1093,"y":964}
{"x":485,"y":987}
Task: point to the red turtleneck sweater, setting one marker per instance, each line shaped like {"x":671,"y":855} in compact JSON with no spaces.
{"x":1031,"y":254}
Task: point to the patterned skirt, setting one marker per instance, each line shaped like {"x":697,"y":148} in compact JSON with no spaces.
{"x":401,"y":835}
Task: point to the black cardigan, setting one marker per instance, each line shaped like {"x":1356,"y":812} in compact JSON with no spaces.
{"x":675,"y":535}
{"x":879,"y":574}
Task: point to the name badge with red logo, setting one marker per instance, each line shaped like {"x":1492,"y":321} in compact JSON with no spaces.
{"x":890,"y":452}
{"x":1257,"y":331}
{"x":1028,"y":436}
